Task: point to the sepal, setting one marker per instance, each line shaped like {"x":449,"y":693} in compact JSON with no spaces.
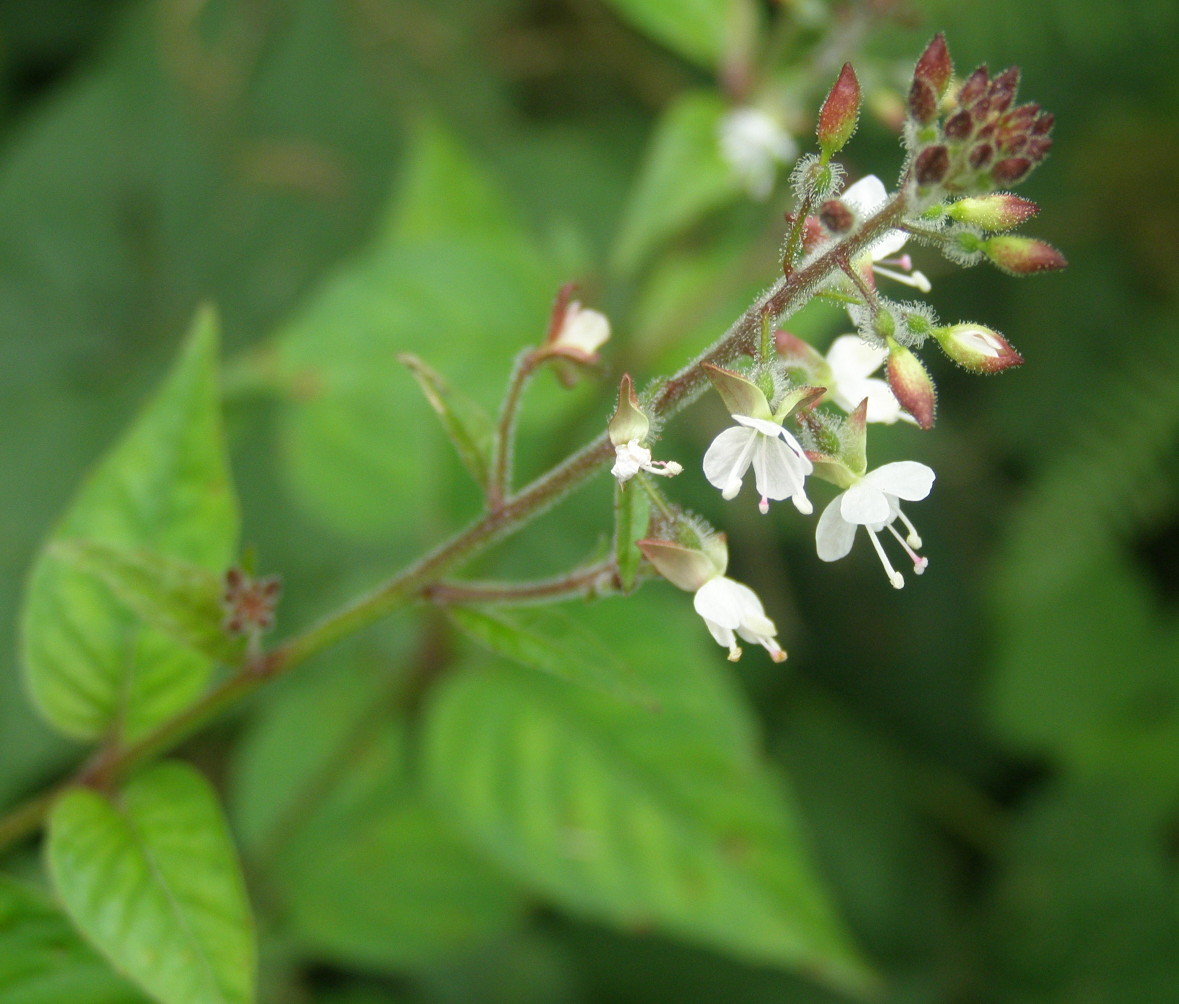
{"x":687,"y":567}
{"x":628,"y":422}
{"x":848,"y":464}
{"x":741,"y":395}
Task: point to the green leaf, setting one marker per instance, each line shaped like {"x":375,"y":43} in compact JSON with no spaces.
{"x":683,"y":177}
{"x":43,"y":961}
{"x":150,"y":877}
{"x":91,"y":665}
{"x":696,"y":29}
{"x":579,"y":657}
{"x":179,"y":599}
{"x":467,"y":426}
{"x":367,"y":873}
{"x":632,"y":511}
{"x":667,"y":821}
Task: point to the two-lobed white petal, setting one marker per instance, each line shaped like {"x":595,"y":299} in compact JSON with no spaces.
{"x":733,"y":606}
{"x":834,"y":535}
{"x":852,"y":362}
{"x":778,"y":460}
{"x":906,"y":479}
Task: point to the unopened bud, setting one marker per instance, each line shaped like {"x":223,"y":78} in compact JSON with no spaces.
{"x":835,"y":216}
{"x":628,"y":422}
{"x":580,"y":333}
{"x":974,"y":87}
{"x":911,"y":384}
{"x":931,"y":165}
{"x":1022,"y":255}
{"x":840,"y":112}
{"x":977,"y":348}
{"x":922,"y":102}
{"x":686,"y":567}
{"x":1002,"y":89}
{"x":1011,"y":170}
{"x":959,"y":125}
{"x":1044,"y":123}
{"x":249,"y":603}
{"x":934,"y":67}
{"x":998,"y":212}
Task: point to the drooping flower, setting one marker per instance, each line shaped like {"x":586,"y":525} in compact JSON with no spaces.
{"x":864,"y":198}
{"x":754,"y":144}
{"x":780,"y":465}
{"x":852,"y":362}
{"x":873,"y":502}
{"x":630,"y":458}
{"x":581,"y":332}
{"x":730,"y":610}
{"x":628,"y":428}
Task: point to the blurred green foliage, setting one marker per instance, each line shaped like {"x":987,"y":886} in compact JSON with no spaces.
{"x":983,"y":766}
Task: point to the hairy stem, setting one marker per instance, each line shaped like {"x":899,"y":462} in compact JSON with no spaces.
{"x":514,"y":512}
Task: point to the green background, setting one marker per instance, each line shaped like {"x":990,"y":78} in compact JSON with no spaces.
{"x":986,"y":763}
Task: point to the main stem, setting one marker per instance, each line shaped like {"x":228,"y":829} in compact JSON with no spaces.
{"x":785,"y":296}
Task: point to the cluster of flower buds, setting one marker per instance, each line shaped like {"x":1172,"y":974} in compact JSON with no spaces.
{"x":249,"y":603}
{"x":986,"y":141}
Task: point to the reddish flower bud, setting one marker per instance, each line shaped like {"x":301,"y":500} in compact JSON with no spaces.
{"x":840,"y":112}
{"x":1003,"y":88}
{"x":1043,"y":124}
{"x":922,"y":102}
{"x":998,"y":212}
{"x":1022,"y":255}
{"x":835,"y":216}
{"x":1013,"y":144}
{"x":1011,"y":170}
{"x":977,"y":348}
{"x":911,"y":384}
{"x":974,"y":88}
{"x":981,"y":155}
{"x":249,"y":603}
{"x":959,"y":125}
{"x":1037,"y":148}
{"x":931,"y":165}
{"x":934,"y":67}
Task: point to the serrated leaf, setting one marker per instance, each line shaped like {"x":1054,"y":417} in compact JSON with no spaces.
{"x":665,"y":821}
{"x":632,"y":511}
{"x":557,"y":645}
{"x":366,"y":871}
{"x":180,"y":599}
{"x":43,"y":961}
{"x":151,"y":878}
{"x":683,"y":177}
{"x":696,"y":29}
{"x":467,"y":426}
{"x":91,"y":665}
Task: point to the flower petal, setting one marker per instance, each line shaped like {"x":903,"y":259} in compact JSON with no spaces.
{"x":906,"y":479}
{"x":727,"y":603}
{"x":727,"y":451}
{"x":864,"y":504}
{"x":833,"y":534}
{"x":852,"y":358}
{"x":762,"y":425}
{"x":865,"y":195}
{"x":779,"y":471}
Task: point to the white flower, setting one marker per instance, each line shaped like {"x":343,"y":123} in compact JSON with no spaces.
{"x":728,"y":606}
{"x":852,"y":362}
{"x":873,"y":502}
{"x":630,"y":458}
{"x":779,"y":463}
{"x":583,"y":331}
{"x":754,"y":145}
{"x":864,"y":198}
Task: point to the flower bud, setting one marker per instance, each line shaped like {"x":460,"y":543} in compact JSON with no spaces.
{"x":741,"y":396}
{"x":977,"y":348}
{"x":959,"y":125}
{"x":579,"y":333}
{"x":934,"y":67}
{"x":1022,"y":255}
{"x":687,"y":567}
{"x":974,"y":87}
{"x":931,"y":165}
{"x":628,"y":422}
{"x":980,"y":155}
{"x":840,"y":113}
{"x":835,"y":216}
{"x":911,"y":384}
{"x":922,"y":102}
{"x":998,"y":212}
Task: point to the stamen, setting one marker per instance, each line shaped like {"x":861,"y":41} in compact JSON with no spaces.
{"x":914,"y":537}
{"x":764,"y":505}
{"x":894,"y":577}
{"x":903,"y":262}
{"x":919,"y":562}
{"x":915,"y":279}
{"x":734,"y":652}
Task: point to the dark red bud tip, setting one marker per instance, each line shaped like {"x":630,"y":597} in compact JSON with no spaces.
{"x":922,"y":102}
{"x":1011,"y":170}
{"x":974,"y":88}
{"x":959,"y":125}
{"x":931,"y":165}
{"x":1043,"y":124}
{"x":934,"y":67}
{"x":835,"y":216}
{"x":840,"y":112}
{"x":981,"y":155}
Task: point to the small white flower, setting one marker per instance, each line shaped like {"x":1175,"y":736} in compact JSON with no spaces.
{"x":873,"y":502}
{"x":630,"y":458}
{"x":729,"y":607}
{"x":754,"y":144}
{"x":779,"y":462}
{"x":864,"y":198}
{"x":583,"y":331}
{"x":852,"y":362}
